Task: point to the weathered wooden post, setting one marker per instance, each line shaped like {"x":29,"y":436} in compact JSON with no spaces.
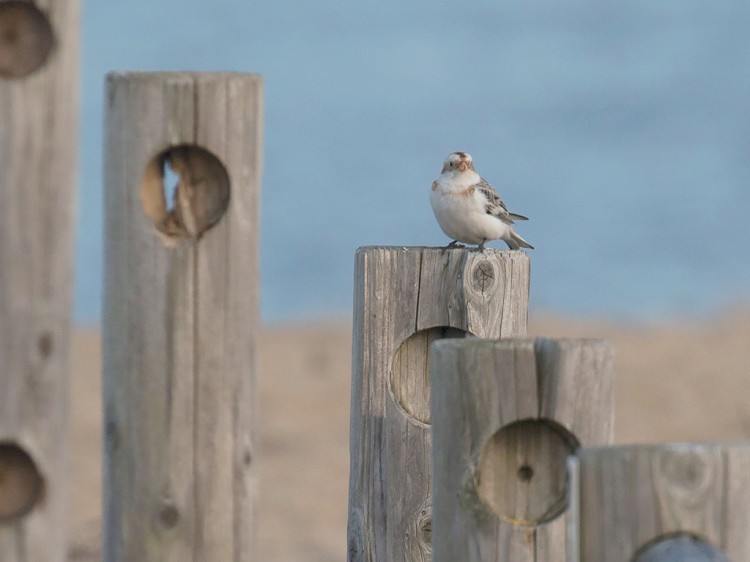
{"x":180,"y":314}
{"x":38,"y":135}
{"x":661,"y":503}
{"x":506,"y":415}
{"x":404,"y":299}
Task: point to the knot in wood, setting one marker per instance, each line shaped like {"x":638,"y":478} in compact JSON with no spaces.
{"x":41,"y":345}
{"x":418,"y":534}
{"x":354,"y":548}
{"x":688,"y":473}
{"x":112,"y":435}
{"x":168,"y":514}
{"x":483,"y":276}
{"x":525,"y":473}
{"x":424,"y":527}
{"x":355,"y":541}
{"x":45,"y":344}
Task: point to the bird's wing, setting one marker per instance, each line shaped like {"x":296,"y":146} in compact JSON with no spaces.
{"x":494,"y":205}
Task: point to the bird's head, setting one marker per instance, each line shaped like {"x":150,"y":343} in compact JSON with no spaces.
{"x":458,"y":162}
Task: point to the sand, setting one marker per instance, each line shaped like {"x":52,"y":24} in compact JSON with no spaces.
{"x":678,"y":381}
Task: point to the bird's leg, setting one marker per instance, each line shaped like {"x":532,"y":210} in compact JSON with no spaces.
{"x":481,"y":245}
{"x":455,"y":244}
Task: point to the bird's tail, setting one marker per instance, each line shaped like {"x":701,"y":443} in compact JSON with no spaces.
{"x":518,"y":217}
{"x":516,"y":242}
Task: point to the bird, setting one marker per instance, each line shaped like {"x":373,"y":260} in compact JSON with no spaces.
{"x":468,"y":209}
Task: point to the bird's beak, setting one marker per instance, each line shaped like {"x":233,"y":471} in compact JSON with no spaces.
{"x":463,"y":166}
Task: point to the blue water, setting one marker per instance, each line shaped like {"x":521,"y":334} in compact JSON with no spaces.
{"x":622,"y":129}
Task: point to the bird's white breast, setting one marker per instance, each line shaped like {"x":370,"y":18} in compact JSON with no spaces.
{"x":460,"y":210}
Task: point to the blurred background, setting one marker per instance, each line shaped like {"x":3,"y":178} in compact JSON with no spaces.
{"x":621,"y":129}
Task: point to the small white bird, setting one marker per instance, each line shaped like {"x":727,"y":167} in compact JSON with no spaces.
{"x":468,"y":209}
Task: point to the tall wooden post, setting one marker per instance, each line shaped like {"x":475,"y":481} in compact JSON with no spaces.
{"x":661,"y":503}
{"x":180,"y":315}
{"x":38,"y":142}
{"x":404,"y":299}
{"x":506,"y":415}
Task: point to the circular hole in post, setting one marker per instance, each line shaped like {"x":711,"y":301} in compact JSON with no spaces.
{"x":679,"y":546}
{"x":26,"y":39}
{"x":21,"y":484}
{"x":410,"y":371}
{"x":523,"y":471}
{"x":185,"y":191}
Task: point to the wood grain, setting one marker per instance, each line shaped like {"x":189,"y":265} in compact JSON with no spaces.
{"x":180,"y":316}
{"x":653,"y":501}
{"x":506,"y":415}
{"x":38,"y":139}
{"x":405,"y":298}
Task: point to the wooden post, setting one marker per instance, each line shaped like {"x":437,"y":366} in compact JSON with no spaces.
{"x":661,"y":503}
{"x":404,"y":299}
{"x":38,"y":146}
{"x":180,"y":315}
{"x":506,"y":415}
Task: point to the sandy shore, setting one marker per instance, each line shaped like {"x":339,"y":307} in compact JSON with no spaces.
{"x":677,"y":381}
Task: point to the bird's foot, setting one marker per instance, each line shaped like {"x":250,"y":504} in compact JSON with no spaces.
{"x":480,"y":248}
{"x":454,"y":244}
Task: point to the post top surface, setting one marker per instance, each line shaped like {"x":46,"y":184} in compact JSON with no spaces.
{"x":516,"y":342}
{"x":146,"y":76}
{"x":660,"y":448}
{"x":486,"y":252}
